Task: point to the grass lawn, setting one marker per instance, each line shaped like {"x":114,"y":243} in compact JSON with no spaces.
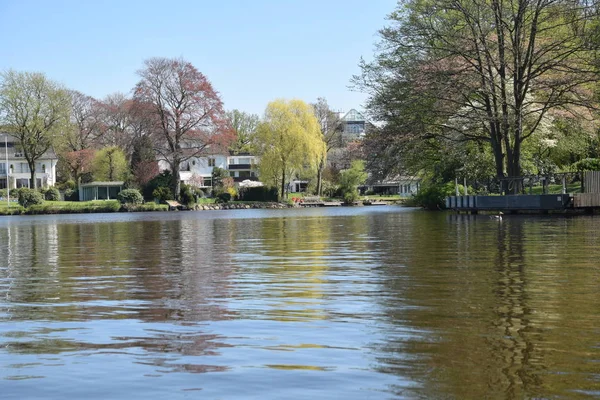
{"x":67,"y":207}
{"x":555,"y":189}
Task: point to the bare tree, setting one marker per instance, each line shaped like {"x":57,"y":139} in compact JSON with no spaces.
{"x":188,"y":110}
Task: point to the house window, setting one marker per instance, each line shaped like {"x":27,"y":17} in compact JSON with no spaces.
{"x":211,"y":162}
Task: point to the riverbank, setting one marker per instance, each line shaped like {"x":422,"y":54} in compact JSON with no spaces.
{"x":112,"y":206}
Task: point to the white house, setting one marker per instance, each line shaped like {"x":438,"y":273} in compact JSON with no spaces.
{"x":14,"y":170}
{"x":198,"y":171}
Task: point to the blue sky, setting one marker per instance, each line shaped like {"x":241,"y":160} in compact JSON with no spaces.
{"x":252,"y":51}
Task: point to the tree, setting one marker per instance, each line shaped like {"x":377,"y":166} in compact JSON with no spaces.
{"x":110,"y":164}
{"x":503,"y":65}
{"x":350,"y":179}
{"x":244,"y":126}
{"x":189,"y":113}
{"x":331,"y":129}
{"x":287,"y":141}
{"x":143,"y":160}
{"x":34,"y":110}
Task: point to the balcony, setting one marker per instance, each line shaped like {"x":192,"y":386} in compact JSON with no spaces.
{"x":237,"y":167}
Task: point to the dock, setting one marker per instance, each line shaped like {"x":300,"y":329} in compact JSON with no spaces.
{"x":526,"y":204}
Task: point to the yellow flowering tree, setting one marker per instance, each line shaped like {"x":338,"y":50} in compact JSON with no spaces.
{"x":288,"y":140}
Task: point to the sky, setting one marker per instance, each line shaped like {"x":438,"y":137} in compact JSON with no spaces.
{"x":252,"y":51}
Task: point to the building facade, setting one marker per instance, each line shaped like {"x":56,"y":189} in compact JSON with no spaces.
{"x":15,"y":171}
{"x":198,"y":171}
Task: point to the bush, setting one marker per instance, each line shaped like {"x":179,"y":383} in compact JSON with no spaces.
{"x":224,"y":197}
{"x":186,"y":196}
{"x":432,"y":196}
{"x":260,"y":193}
{"x":370,"y":192}
{"x":130,"y":196}
{"x":71,"y":195}
{"x":162,"y":194}
{"x":3,"y":193}
{"x":52,"y":194}
{"x":29,"y":197}
{"x":162,"y":180}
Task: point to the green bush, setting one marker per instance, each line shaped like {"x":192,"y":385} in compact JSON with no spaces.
{"x":52,"y":194}
{"x":186,"y":196}
{"x":29,"y":197}
{"x":162,"y":180}
{"x":224,"y":197}
{"x":130,"y":196}
{"x":71,"y":195}
{"x":432,"y":196}
{"x":260,"y":193}
{"x":3,"y":193}
{"x":162,"y":194}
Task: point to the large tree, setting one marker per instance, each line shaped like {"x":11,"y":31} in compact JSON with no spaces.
{"x":331,"y":129}
{"x":500,"y":65}
{"x":244,"y":126}
{"x":189,"y":113}
{"x":34,"y":110}
{"x":287,"y":141}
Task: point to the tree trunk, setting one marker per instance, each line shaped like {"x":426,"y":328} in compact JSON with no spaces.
{"x":320,"y":178}
{"x":283,"y":183}
{"x":175,"y":182}
{"x":32,"y":171}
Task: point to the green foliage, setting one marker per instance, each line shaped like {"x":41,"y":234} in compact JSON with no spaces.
{"x":97,"y":206}
{"x":71,"y":195}
{"x":260,"y":193}
{"x":162,"y":194}
{"x":130,"y":196}
{"x":52,"y":194}
{"x":218,"y":175}
{"x":162,"y":180}
{"x":350,"y":179}
{"x":587,"y":164}
{"x":287,"y":142}
{"x":110,"y":164}
{"x":244,"y":125}
{"x":29,"y":197}
{"x":223,"y":197}
{"x":186,"y":195}
{"x":432,"y":195}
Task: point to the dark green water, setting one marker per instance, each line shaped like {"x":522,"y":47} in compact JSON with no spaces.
{"x":347,"y":303}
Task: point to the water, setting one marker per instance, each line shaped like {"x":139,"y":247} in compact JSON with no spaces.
{"x":351,"y":303}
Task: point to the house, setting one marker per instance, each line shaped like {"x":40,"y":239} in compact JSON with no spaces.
{"x":100,"y":190}
{"x":405,"y":186}
{"x":14,"y":170}
{"x":198,"y":171}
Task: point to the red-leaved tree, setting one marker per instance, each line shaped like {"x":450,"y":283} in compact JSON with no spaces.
{"x":189,"y":112}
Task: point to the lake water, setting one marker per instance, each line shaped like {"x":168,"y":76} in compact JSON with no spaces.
{"x":349,"y":303}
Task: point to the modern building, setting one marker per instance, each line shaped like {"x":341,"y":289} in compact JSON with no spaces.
{"x":14,"y":169}
{"x":354,"y":126}
{"x":404,"y":186}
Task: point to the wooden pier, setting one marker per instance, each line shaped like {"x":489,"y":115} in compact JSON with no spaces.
{"x":515,"y":204}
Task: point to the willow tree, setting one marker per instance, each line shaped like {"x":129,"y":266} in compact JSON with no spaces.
{"x":288,"y":140}
{"x":33,"y":110}
{"x":501,"y":64}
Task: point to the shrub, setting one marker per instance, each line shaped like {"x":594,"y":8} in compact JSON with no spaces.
{"x":186,"y":196}
{"x":71,"y":195}
{"x":432,"y":196}
{"x":162,"y":194}
{"x":52,"y":194}
{"x":162,"y":180}
{"x":260,"y":193}
{"x":3,"y":193}
{"x":224,"y":197}
{"x":28,"y":197}
{"x":130,"y":196}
